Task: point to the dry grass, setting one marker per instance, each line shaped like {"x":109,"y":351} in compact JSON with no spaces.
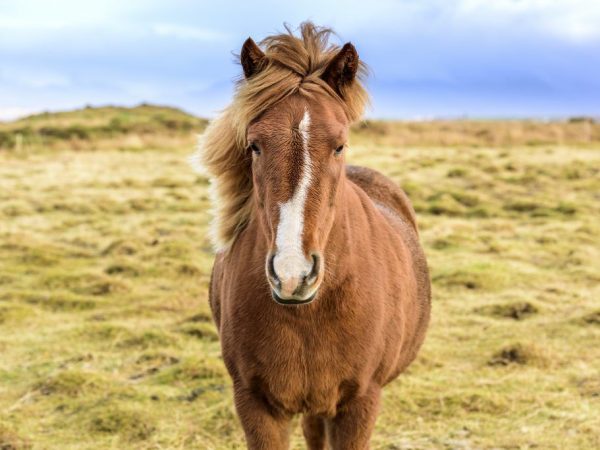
{"x":106,"y":335}
{"x":478,"y":133}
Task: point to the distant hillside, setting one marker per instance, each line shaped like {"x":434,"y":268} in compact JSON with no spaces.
{"x":140,"y":126}
{"x":479,"y":133}
{"x":151,"y":126}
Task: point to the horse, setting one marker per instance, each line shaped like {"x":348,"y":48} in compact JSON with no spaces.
{"x":320,"y":290}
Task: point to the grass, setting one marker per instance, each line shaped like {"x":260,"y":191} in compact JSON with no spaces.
{"x":107,"y":340}
{"x":100,"y":128}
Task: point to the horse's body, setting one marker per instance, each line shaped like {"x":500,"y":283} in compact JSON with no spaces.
{"x":367,"y":310}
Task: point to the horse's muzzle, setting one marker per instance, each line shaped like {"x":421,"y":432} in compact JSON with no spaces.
{"x":292,"y":301}
{"x":295,"y":290}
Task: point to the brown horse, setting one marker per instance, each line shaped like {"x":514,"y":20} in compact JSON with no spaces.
{"x":320,"y":289}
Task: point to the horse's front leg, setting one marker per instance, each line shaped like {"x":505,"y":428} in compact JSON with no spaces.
{"x":351,"y":428}
{"x":314,"y":432}
{"x":265,"y":428}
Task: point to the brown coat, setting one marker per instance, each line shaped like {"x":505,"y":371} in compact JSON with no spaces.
{"x":366,"y":327}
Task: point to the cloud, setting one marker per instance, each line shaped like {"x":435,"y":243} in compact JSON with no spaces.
{"x":426,"y":56}
{"x":576,"y":21}
{"x":19,"y":24}
{"x":14,"y":112}
{"x":33,"y":78}
{"x":576,"y":29}
{"x":187,"y":32}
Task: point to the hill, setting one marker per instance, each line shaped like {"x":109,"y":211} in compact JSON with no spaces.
{"x":90,"y":128}
{"x":151,"y":126}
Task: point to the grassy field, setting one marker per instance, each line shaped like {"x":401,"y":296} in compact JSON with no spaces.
{"x":106,"y":339}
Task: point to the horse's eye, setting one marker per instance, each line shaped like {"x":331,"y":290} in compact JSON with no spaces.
{"x":254,"y":148}
{"x":339,"y":150}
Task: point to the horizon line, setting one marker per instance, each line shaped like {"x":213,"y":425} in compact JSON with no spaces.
{"x":14,"y":115}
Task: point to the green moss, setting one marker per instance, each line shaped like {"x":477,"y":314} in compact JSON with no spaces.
{"x":457,"y":172}
{"x":566,"y":209}
{"x":147,"y":339}
{"x":200,"y":317}
{"x":32,"y":253}
{"x":477,"y":276}
{"x":466,"y":199}
{"x":438,"y":405}
{"x":16,"y":208}
{"x":480,"y":212}
{"x":202,"y":330}
{"x":68,"y":383}
{"x":174,"y":249}
{"x":187,"y":269}
{"x":60,"y":301}
{"x":541,"y":209}
{"x":446,"y":205}
{"x":13,"y":314}
{"x":83,"y":283}
{"x":107,"y":333}
{"x":192,"y":370}
{"x":128,"y":423}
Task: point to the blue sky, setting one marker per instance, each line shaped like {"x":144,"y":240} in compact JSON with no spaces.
{"x":428,"y":58}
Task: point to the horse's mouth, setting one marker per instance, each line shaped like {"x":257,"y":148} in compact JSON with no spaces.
{"x":292,"y":301}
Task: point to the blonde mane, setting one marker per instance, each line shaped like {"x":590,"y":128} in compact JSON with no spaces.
{"x":293,"y":65}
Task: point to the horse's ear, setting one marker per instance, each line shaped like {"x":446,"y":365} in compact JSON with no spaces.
{"x":342,"y":69}
{"x":252,"y":58}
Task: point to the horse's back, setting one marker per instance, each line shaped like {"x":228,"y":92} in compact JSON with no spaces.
{"x":384,"y":192}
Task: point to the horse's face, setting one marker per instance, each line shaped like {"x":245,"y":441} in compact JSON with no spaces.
{"x":297,"y":151}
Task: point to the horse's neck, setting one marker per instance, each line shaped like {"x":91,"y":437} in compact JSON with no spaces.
{"x":343,"y":241}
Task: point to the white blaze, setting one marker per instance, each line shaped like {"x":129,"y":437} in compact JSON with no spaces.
{"x":289,"y":261}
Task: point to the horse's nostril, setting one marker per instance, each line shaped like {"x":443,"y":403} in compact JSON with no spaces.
{"x":316,"y":268}
{"x":271,"y":269}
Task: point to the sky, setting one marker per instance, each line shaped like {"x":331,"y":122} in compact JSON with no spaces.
{"x":427,"y":58}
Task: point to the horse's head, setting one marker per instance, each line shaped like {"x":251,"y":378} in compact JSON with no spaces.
{"x":297,"y":147}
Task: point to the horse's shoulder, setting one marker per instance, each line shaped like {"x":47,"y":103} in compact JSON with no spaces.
{"x":383,"y":191}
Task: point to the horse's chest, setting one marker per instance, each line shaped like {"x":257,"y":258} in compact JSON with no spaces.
{"x":301,"y":372}
{"x":303,"y":382}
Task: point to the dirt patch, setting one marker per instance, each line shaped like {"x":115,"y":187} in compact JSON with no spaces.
{"x":592,"y":318}
{"x":589,"y":387}
{"x":516,"y":310}
{"x":126,"y":270}
{"x":11,"y":440}
{"x":519,"y":354}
